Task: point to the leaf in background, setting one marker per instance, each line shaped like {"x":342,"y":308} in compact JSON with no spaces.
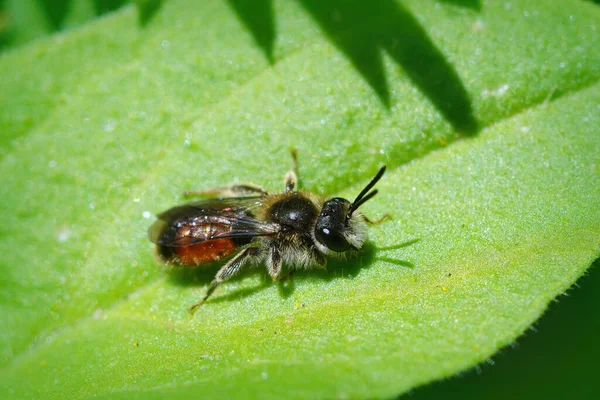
{"x":106,"y":125}
{"x":22,"y":21}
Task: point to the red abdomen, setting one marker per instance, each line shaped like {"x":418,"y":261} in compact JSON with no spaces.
{"x":204,"y":252}
{"x":199,"y":233}
{"x":194,"y":241}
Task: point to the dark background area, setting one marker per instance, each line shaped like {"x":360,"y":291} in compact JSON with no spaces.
{"x":557,"y":359}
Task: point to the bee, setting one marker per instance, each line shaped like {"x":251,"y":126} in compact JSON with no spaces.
{"x":297,"y":228}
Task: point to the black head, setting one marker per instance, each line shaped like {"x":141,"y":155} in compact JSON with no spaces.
{"x":337,"y":228}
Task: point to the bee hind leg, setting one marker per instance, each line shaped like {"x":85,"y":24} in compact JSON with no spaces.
{"x":291,"y":177}
{"x":232,"y":268}
{"x":239,"y":190}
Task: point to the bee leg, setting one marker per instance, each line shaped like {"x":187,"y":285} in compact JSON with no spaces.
{"x":291,"y":177}
{"x":380,"y":220}
{"x":320,"y":259}
{"x":240,"y":190}
{"x":227,"y":271}
{"x":274,"y":263}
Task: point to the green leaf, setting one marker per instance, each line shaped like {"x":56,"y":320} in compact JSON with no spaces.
{"x":494,"y":198}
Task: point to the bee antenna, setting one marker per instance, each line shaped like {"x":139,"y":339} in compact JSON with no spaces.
{"x":365,"y":195}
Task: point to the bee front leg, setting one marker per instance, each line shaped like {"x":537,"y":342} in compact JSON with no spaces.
{"x":379,"y":221}
{"x":227,"y":271}
{"x":240,"y":190}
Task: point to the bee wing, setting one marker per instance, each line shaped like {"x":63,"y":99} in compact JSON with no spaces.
{"x":210,"y":220}
{"x":227,"y":206}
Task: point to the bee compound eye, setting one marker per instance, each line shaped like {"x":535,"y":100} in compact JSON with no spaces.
{"x":332,"y":239}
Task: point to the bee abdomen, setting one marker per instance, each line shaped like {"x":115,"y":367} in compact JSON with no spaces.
{"x":192,"y":243}
{"x":197,"y":253}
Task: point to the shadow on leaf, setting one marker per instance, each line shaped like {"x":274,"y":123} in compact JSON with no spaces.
{"x":257,"y":16}
{"x":362,"y":31}
{"x":146,"y":10}
{"x":348,"y":269}
{"x":471,"y":4}
{"x":55,"y":11}
{"x":336,"y":269}
{"x":105,"y":6}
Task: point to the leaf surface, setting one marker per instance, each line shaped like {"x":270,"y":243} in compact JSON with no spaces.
{"x":105,"y":125}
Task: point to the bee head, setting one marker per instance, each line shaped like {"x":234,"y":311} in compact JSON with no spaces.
{"x":338,"y":227}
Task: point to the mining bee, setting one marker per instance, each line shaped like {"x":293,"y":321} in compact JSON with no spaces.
{"x":296,"y":227}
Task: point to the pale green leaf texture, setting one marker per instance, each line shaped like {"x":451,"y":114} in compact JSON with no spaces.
{"x":107,"y":124}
